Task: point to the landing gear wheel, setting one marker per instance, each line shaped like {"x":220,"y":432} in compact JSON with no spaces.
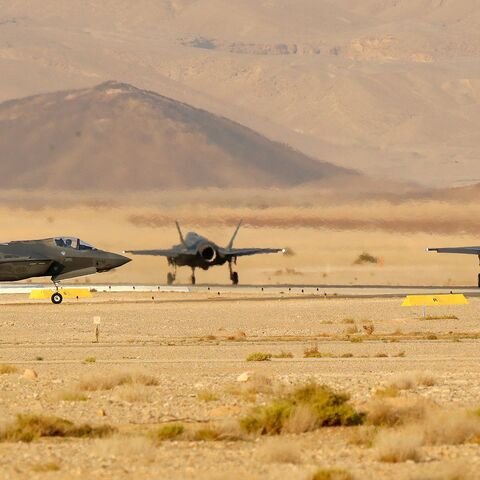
{"x":479,"y":280}
{"x":193,"y":279}
{"x":57,"y":298}
{"x":235,"y":278}
{"x":170,"y":278}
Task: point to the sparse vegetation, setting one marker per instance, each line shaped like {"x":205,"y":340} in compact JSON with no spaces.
{"x":90,"y":360}
{"x":238,"y":336}
{"x":134,"y":392}
{"x":207,"y":396}
{"x":7,"y":369}
{"x":365,"y":258}
{"x":72,"y":395}
{"x":356,"y":339}
{"x":259,"y":357}
{"x":46,"y":467}
{"x":389,"y":413}
{"x":369,"y":328}
{"x":312,"y":352}
{"x":332,"y":474}
{"x":348,"y":321}
{"x":28,"y":428}
{"x":388,"y":392}
{"x":207,"y":435}
{"x":38,"y":358}
{"x":168,"y":432}
{"x":439,"y":317}
{"x":329,"y":409}
{"x":399,"y":445}
{"x":96,"y":382}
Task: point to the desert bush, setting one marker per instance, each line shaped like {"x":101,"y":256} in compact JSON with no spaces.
{"x":445,"y":427}
{"x":363,"y":436}
{"x":348,"y":321}
{"x":94,"y":382}
{"x":259,"y":357}
{"x":27,"y":428}
{"x":327,"y":407}
{"x":387,"y":392}
{"x":364,"y":258}
{"x":390,"y":412}
{"x":346,"y":355}
{"x":331,"y":474}
{"x":207,"y":396}
{"x":134,"y":392}
{"x":208,"y":434}
{"x":7,"y":369}
{"x":312,"y":352}
{"x":351,"y":330}
{"x":71,"y":395}
{"x":168,"y":432}
{"x":399,"y":445}
{"x":356,"y":339}
{"x":90,"y":360}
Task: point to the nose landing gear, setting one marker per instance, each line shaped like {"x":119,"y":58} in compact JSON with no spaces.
{"x":57,"y":297}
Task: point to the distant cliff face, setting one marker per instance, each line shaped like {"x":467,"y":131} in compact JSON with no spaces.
{"x":115,"y":136}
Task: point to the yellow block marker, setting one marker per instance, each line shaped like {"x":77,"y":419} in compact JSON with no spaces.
{"x":67,"y":293}
{"x":434,"y":300}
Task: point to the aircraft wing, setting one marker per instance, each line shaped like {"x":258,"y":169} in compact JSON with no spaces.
{"x":464,"y":250}
{"x":243,"y":252}
{"x":159,"y":253}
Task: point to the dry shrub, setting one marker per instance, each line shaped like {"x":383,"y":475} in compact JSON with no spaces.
{"x":363,"y":436}
{"x":348,"y":321}
{"x":207,"y":434}
{"x":332,"y":474}
{"x":71,"y":395}
{"x":369,"y":328}
{"x":207,"y":396}
{"x":280,"y":451}
{"x":445,"y":427}
{"x":238,"y":336}
{"x":46,"y":467}
{"x":456,"y":470}
{"x":410,"y":380}
{"x":94,"y":382}
{"x":312,"y":352}
{"x":302,"y":419}
{"x":395,"y":446}
{"x":351,"y":330}
{"x":259,"y":357}
{"x":27,"y":428}
{"x":167,"y":432}
{"x":7,"y":369}
{"x":387,"y":392}
{"x":329,"y":408}
{"x":390,"y":412}
{"x":134,"y":392}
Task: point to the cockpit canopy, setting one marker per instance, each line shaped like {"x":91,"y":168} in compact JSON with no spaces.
{"x":72,"y":242}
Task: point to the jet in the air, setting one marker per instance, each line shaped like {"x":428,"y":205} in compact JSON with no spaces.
{"x":60,"y":258}
{"x":459,"y":250}
{"x":195,"y":251}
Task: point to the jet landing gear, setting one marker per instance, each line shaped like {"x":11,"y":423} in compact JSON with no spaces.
{"x":57,"y":297}
{"x":192,"y":278}
{"x":170,"y":278}
{"x":479,"y":280}
{"x":233,"y":275}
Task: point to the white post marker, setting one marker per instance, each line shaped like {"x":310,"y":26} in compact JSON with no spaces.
{"x":96,"y":322}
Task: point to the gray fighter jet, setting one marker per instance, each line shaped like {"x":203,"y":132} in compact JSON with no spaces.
{"x":60,"y":258}
{"x":460,"y":250}
{"x":196,"y":251}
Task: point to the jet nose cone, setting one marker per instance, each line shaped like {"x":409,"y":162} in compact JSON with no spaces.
{"x":118,"y":260}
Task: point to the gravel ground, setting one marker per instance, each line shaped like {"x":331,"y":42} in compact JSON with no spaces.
{"x":192,"y":343}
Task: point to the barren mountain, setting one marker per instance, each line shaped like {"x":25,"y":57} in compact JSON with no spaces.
{"x":388,"y":87}
{"x":115,"y":136}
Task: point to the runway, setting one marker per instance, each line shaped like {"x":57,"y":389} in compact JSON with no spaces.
{"x":328,"y":291}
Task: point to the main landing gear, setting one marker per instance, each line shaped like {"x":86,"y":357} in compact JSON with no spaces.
{"x":57,"y":297}
{"x":479,"y":280}
{"x":233,"y":275}
{"x":192,"y":278}
{"x":172,"y":276}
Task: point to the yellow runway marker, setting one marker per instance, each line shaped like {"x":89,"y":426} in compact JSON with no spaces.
{"x":434,"y":300}
{"x":67,"y":293}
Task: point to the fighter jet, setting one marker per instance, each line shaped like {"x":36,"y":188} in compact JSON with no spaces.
{"x":60,"y":258}
{"x":460,"y":250}
{"x":196,"y":251}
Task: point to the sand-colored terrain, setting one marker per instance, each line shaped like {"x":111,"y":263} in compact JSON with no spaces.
{"x":194,"y":348}
{"x":387,"y":88}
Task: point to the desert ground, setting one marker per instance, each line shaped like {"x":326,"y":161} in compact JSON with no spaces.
{"x":180,"y":360}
